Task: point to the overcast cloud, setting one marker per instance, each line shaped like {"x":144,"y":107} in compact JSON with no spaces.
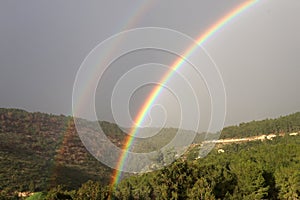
{"x":43,"y":43}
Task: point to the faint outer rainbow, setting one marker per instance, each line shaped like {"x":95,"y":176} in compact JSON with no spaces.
{"x":156,"y":91}
{"x":141,"y":8}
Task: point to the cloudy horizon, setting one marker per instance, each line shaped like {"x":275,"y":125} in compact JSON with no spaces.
{"x":44,"y":43}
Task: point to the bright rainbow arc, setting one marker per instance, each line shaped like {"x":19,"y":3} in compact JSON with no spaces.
{"x":156,"y":91}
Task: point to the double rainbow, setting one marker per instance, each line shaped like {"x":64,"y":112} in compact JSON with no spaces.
{"x":156,"y":91}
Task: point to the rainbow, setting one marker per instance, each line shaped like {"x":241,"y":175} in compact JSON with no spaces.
{"x":141,"y":8}
{"x":67,"y":135}
{"x":156,"y":91}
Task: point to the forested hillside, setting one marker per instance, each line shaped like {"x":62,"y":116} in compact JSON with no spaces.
{"x":42,"y":153}
{"x":283,"y":124}
{"x":39,"y":151}
{"x":254,"y":170}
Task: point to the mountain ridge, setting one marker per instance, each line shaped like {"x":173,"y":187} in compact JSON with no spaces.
{"x":39,"y":151}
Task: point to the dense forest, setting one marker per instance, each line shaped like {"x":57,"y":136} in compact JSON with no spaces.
{"x":42,"y":153}
{"x":39,"y":151}
{"x":253,"y":170}
{"x":283,"y":124}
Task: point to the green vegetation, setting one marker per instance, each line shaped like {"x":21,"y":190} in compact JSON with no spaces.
{"x":37,"y":196}
{"x":39,"y":151}
{"x":285,"y":124}
{"x":42,"y":153}
{"x":254,"y":170}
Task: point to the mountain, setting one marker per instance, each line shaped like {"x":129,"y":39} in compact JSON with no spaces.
{"x":266,"y":169}
{"x":40,"y":151}
{"x":283,"y":124}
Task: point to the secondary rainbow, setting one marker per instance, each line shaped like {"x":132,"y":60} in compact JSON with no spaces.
{"x":175,"y":66}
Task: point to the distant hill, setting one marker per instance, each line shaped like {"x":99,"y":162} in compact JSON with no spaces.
{"x":39,"y":151}
{"x":266,"y":169}
{"x":283,"y":124}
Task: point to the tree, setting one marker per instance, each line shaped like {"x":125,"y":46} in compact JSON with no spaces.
{"x":288,"y":182}
{"x":89,"y":191}
{"x":58,"y":193}
{"x":250,"y":180}
{"x":202,"y":190}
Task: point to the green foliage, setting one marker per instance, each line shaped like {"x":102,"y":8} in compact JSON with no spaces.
{"x":285,"y":124}
{"x":201,"y":190}
{"x":288,"y":182}
{"x":250,"y":180}
{"x":91,"y":191}
{"x":253,"y":170}
{"x":37,"y":196}
{"x":58,"y":193}
{"x":39,"y":152}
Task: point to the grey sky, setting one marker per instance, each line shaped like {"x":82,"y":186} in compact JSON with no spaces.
{"x":43,"y":43}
